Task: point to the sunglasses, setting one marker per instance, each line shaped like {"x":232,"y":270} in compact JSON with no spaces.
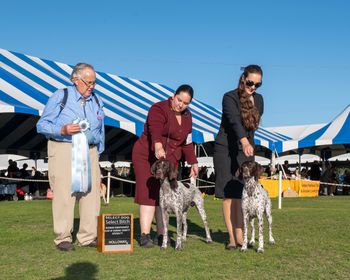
{"x":250,"y":83}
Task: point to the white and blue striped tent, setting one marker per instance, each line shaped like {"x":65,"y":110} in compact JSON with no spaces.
{"x":336,"y":132}
{"x":26,"y":82}
{"x":272,"y":140}
{"x":334,"y":135}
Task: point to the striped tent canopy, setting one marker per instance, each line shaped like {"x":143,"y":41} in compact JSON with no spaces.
{"x":337,"y":132}
{"x":26,"y":82}
{"x":271,"y":140}
{"x":333,"y":133}
{"x":333,"y":136}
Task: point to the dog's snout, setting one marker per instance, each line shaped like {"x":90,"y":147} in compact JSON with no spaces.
{"x":158,"y":173}
{"x":246,"y":170}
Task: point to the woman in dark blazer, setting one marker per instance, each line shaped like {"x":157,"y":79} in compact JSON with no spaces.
{"x":241,"y":112}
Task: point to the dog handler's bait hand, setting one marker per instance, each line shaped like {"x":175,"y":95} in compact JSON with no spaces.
{"x":159,"y":151}
{"x":248,"y":149}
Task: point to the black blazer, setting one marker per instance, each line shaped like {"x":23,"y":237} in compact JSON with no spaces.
{"x":231,"y":127}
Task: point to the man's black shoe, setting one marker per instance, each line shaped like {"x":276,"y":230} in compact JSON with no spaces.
{"x":65,"y":246}
{"x":93,"y":244}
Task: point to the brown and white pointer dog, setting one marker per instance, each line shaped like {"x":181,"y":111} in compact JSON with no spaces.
{"x":255,"y":202}
{"x":175,"y":197}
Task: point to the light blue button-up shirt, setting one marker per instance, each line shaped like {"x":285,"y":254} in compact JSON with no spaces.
{"x":52,"y":120}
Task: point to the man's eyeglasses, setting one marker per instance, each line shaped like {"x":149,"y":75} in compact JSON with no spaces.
{"x":250,"y":83}
{"x":88,"y":84}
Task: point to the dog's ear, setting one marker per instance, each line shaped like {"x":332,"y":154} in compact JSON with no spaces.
{"x":172,"y":175}
{"x":154,"y":167}
{"x":239,"y":172}
{"x":258,"y":170}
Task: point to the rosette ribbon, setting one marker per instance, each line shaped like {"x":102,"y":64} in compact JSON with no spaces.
{"x":81,"y":167}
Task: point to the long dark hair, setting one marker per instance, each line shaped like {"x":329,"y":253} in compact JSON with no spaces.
{"x":249,"y":113}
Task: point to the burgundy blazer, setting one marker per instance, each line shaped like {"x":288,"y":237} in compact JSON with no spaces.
{"x":162,"y":126}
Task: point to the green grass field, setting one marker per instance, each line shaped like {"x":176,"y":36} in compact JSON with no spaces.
{"x":312,"y":242}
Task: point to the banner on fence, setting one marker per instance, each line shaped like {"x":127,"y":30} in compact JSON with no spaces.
{"x":302,"y":187}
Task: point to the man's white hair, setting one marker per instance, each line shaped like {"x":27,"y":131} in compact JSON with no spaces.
{"x":78,"y":69}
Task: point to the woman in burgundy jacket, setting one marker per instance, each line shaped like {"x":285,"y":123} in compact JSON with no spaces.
{"x":167,"y":134}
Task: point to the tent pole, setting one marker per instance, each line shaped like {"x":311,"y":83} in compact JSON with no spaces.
{"x":205,"y":152}
{"x":108,"y":185}
{"x":197,"y":152}
{"x":279,"y":190}
{"x":323,"y":158}
{"x":283,"y":172}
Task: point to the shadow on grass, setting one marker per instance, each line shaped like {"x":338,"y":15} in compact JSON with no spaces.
{"x":194,"y":229}
{"x":80,"y":270}
{"x":198,"y":230}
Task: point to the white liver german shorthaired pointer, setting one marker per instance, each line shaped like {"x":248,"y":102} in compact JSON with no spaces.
{"x":255,"y":201}
{"x":175,"y":197}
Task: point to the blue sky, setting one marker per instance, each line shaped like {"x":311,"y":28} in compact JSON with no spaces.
{"x":302,"y":46}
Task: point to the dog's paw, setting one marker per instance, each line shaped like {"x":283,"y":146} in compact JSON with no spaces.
{"x":251,"y":244}
{"x":260,"y":250}
{"x":272,"y":242}
{"x":209,"y":240}
{"x":243,"y":249}
{"x":163,"y":248}
{"x":178,"y":247}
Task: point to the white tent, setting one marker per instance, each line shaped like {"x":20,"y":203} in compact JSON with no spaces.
{"x":208,"y":161}
{"x":108,"y":164}
{"x":262,"y":160}
{"x":39,"y":164}
{"x":5,"y":158}
{"x":294,"y":159}
{"x":343,"y":157}
{"x":204,"y":161}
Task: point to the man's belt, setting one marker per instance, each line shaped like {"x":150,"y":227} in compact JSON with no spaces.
{"x":58,"y":141}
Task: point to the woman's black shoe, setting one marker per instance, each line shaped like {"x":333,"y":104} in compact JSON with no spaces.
{"x":230,"y":247}
{"x":145,"y":241}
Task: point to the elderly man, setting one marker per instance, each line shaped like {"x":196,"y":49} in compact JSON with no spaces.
{"x":73,"y":123}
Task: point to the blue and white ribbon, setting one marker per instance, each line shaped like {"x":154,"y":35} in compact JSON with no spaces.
{"x":81,"y":167}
